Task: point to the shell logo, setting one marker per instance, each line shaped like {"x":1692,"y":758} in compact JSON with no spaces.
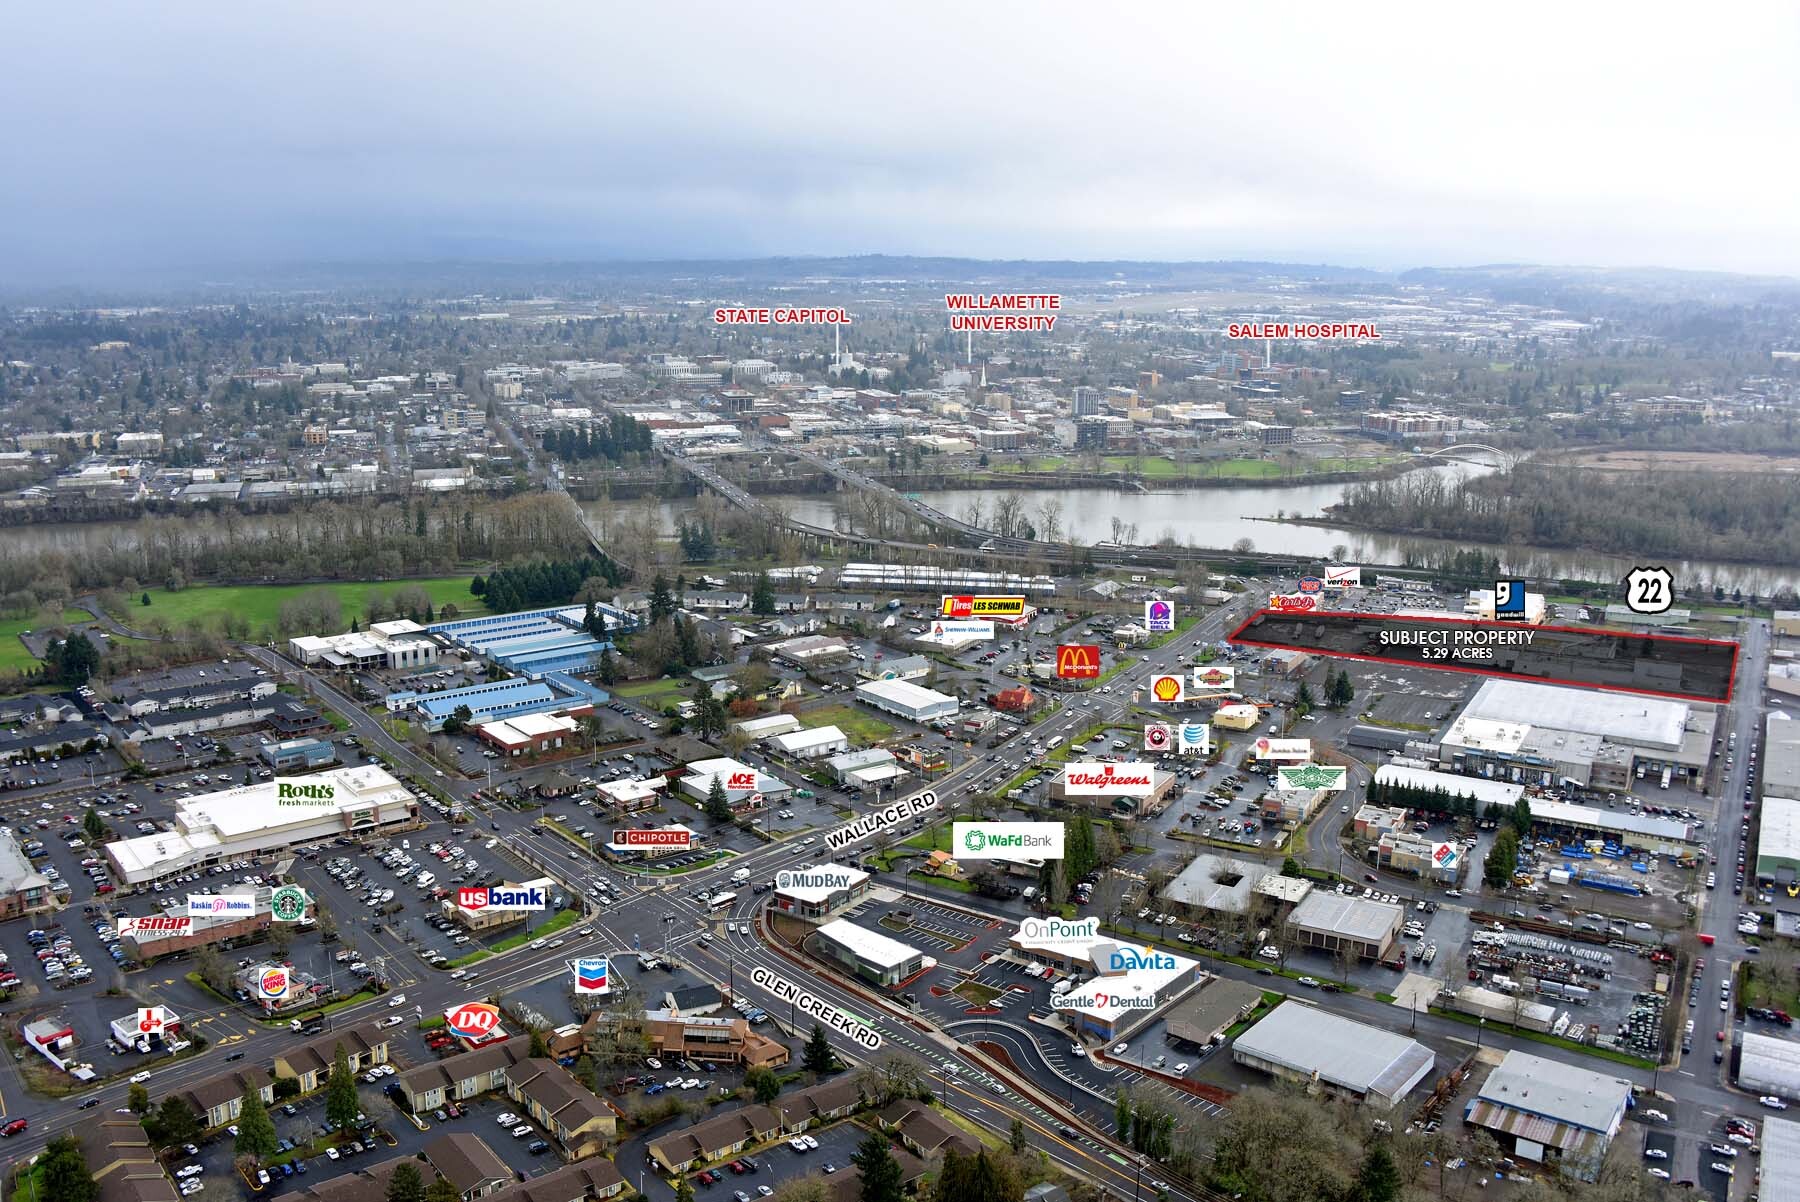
{"x":1166,"y":688}
{"x":472,"y":1020}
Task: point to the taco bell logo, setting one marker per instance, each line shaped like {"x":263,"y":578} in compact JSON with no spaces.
{"x":1159,"y":617}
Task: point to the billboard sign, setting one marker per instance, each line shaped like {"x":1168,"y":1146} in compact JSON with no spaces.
{"x":680,"y":839}
{"x":590,"y":976}
{"x":983,"y":607}
{"x":472,"y":1020}
{"x":1209,"y":679}
{"x":1108,"y":780}
{"x":1159,"y":616}
{"x":1194,"y":738}
{"x":1078,"y":661}
{"x":273,"y":983}
{"x":1290,"y":603}
{"x":1159,"y":737}
{"x":1297,"y":750}
{"x":1314,"y":776}
{"x":1343,"y":578}
{"x":1168,"y":689}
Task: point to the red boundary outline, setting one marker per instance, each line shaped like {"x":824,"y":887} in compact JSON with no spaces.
{"x":1730,"y":687}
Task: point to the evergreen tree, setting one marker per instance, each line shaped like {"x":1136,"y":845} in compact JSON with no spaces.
{"x":1377,"y":1180}
{"x":341,"y":1106}
{"x":609,"y":668}
{"x":478,"y":586}
{"x":1303,"y":699}
{"x":1121,"y":1117}
{"x":440,"y":1190}
{"x":540,"y":1045}
{"x":146,"y":600}
{"x":1521,"y":816}
{"x":137,"y":1099}
{"x":881,"y":1180}
{"x":1502,"y":859}
{"x":764,"y":1085}
{"x":684,"y":1189}
{"x":818,"y":1056}
{"x":174,"y":1122}
{"x":1017,"y":1137}
{"x":64,"y":1173}
{"x":93,"y":825}
{"x":718,"y":806}
{"x":406,"y":1183}
{"x":762,"y":598}
{"x":256,"y":1130}
{"x":662,"y":602}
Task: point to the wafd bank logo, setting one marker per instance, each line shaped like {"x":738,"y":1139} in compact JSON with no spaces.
{"x":1108,"y":780}
{"x":500,"y":897}
{"x":1007,"y":840}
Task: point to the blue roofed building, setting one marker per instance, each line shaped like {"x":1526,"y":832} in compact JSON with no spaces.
{"x":537,"y":641}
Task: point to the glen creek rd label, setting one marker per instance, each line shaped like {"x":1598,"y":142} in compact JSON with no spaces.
{"x":1658,"y":665}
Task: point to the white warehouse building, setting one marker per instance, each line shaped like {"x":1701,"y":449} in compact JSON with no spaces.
{"x":908,"y":700}
{"x":811,"y":744}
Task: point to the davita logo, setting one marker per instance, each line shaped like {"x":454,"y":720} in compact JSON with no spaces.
{"x":1125,"y":959}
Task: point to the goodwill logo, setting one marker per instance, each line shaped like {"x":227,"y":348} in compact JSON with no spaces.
{"x":209,"y":905}
{"x":1007,"y":840}
{"x":1159,"y":617}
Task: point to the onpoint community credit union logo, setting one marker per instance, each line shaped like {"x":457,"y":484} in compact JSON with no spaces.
{"x":1055,"y":932}
{"x":1167,"y":689}
{"x":288,"y":903}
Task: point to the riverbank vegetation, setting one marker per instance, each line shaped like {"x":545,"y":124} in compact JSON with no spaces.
{"x":1741,"y":516}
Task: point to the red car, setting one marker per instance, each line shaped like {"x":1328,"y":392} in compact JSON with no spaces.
{"x":13,"y":1128}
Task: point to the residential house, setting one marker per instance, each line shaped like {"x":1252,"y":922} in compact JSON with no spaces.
{"x":217,"y":1100}
{"x":822,"y":1103}
{"x":460,"y":1077}
{"x":725,"y":1133}
{"x":924,"y":1131}
{"x":590,"y":1179}
{"x":580,"y":1122}
{"x":310,"y":1062}
{"x":122,"y":1162}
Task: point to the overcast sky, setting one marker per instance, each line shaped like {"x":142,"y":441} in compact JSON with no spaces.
{"x":157,"y":136}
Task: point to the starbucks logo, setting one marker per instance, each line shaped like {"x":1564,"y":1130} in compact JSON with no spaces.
{"x":288,"y":903}
{"x":974,"y":840}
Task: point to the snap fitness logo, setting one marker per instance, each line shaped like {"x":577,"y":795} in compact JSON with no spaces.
{"x":1051,"y":932}
{"x":295,"y":793}
{"x":472,"y":1020}
{"x":155,"y":926}
{"x":1167,"y":689}
{"x":288,"y":903}
{"x":500,"y":897}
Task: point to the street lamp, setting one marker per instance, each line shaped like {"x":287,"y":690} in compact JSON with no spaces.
{"x":1480,"y":1026}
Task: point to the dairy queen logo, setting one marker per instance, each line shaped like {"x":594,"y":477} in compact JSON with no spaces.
{"x":288,"y":903}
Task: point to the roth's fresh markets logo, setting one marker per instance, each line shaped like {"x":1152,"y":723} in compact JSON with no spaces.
{"x":288,"y":793}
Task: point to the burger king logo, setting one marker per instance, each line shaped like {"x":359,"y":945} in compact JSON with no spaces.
{"x":272,"y":983}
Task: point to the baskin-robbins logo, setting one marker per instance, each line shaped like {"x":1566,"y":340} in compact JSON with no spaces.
{"x":1293,"y":750}
{"x":288,"y":903}
{"x":500,"y":897}
{"x":1059,"y":932}
{"x":220,"y":905}
{"x":1159,"y":616}
{"x":304,"y":793}
{"x":472,"y":1020}
{"x":1007,"y":840}
{"x":786,"y":881}
{"x":1167,"y":689}
{"x":1108,"y":780}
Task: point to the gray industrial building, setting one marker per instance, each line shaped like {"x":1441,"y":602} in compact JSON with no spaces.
{"x":1314,"y":1047}
{"x":1550,"y":1112}
{"x":1328,"y":921}
{"x":1768,"y":1064}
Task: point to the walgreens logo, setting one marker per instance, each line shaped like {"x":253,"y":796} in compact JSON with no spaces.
{"x":1108,"y":780}
{"x":500,"y":897}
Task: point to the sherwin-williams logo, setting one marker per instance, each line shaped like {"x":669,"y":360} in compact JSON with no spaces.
{"x":812,"y":880}
{"x":288,"y":903}
{"x":1008,"y":840}
{"x":1167,"y":689}
{"x":1128,"y":959}
{"x":1048,"y":932}
{"x":500,"y":897}
{"x":1108,"y":780}
{"x":291,"y":793}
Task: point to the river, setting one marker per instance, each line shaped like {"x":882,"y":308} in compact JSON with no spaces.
{"x":1219,"y":517}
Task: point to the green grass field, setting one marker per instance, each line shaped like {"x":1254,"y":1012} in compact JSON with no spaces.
{"x":261,"y":603}
{"x":654,"y":694}
{"x":13,"y":656}
{"x":859,"y":724}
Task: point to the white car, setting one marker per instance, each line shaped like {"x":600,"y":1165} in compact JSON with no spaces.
{"x":812,"y":1145}
{"x":797,"y":1144}
{"x":333,"y":1153}
{"x":139,"y":1078}
{"x":1772,"y":1102}
{"x":1119,"y":1049}
{"x":1076,"y":1049}
{"x":1662,"y":1174}
{"x":194,"y":1170}
{"x":521,"y":1131}
{"x":507,"y":1119}
{"x":1723,"y":1169}
{"x":1655,"y":1154}
{"x":399,"y":999}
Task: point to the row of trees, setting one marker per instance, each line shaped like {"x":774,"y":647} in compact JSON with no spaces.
{"x":543,"y":582}
{"x":617,"y":439}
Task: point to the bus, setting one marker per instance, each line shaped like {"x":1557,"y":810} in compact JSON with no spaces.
{"x":721,"y":901}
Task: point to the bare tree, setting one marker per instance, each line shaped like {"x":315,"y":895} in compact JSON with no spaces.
{"x":1050,"y":520}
